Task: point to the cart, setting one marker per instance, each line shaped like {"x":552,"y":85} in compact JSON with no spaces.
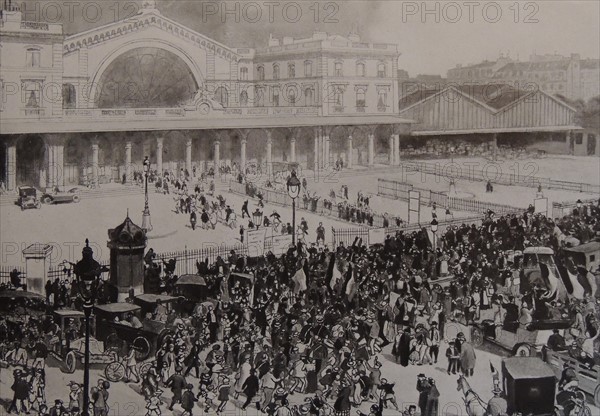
{"x":588,"y":379}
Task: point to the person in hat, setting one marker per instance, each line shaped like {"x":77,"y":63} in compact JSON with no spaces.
{"x":453,"y":356}
{"x":467,"y":357}
{"x":75,"y":397}
{"x":188,"y":400}
{"x":223,"y":394}
{"x":20,"y":390}
{"x":423,"y":388}
{"x":58,"y":409}
{"x":497,"y":405}
{"x":250,"y":388}
{"x":177,"y":383}
{"x":433,"y":396}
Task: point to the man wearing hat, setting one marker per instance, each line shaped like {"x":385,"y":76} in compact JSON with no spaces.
{"x":423,"y":388}
{"x":20,"y":388}
{"x":177,"y":383}
{"x":497,"y":406}
{"x":58,"y":409}
{"x":75,"y":397}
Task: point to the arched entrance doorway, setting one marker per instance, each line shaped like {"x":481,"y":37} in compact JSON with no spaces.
{"x":30,"y":156}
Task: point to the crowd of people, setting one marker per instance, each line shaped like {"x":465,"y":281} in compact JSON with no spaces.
{"x":315,"y":320}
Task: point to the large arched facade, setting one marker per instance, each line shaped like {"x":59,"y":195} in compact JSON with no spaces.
{"x":148,"y":56}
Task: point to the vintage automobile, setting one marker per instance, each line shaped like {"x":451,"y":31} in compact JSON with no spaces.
{"x":588,"y":378}
{"x":28,"y":198}
{"x":58,"y":197}
{"x":522,"y":342}
{"x":112,"y":329}
{"x":69,"y":347}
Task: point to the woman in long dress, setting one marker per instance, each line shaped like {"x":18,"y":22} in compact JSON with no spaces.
{"x":242,"y":375}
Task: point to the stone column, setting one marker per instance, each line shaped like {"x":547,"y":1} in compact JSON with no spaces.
{"x":128,"y":178}
{"x":95,"y":165}
{"x":316,"y":150}
{"x":51,"y":163}
{"x":188,"y":156}
{"x":60,"y":164}
{"x":391,"y":150}
{"x":396,"y":150}
{"x":243,"y":156}
{"x":371,"y":150}
{"x":217,"y":157}
{"x":159,"y":155}
{"x":11,"y":167}
{"x":349,"y":152}
{"x":293,"y":150}
{"x":269,"y":154}
{"x":326,"y":146}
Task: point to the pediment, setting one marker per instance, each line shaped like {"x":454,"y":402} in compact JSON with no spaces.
{"x":150,"y":18}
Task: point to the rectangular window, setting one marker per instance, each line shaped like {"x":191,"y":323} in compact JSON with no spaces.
{"x":308,"y":69}
{"x":579,"y":138}
{"x":276,"y":96}
{"x":33,"y":58}
{"x":337,"y":69}
{"x":32,"y":94}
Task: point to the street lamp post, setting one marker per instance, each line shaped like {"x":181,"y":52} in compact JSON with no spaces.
{"x":434,"y":228}
{"x":257,"y":217}
{"x":87,"y":273}
{"x":146,"y":223}
{"x":293,"y":188}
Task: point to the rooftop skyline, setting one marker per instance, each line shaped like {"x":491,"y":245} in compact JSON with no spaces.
{"x":433,"y":37}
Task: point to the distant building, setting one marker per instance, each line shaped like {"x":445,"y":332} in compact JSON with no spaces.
{"x":408,"y":85}
{"x":571,"y":77}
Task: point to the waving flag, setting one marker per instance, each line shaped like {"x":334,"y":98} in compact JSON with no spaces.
{"x":350,"y":287}
{"x":333,"y":273}
{"x":299,"y":280}
{"x":551,"y":282}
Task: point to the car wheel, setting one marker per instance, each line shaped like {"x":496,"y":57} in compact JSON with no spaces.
{"x":47,"y":200}
{"x":597,"y":396}
{"x":142,"y":348}
{"x":477,"y":337}
{"x":523,"y":350}
{"x":70,"y":362}
{"x":76,"y":198}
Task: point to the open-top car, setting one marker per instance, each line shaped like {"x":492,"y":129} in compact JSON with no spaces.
{"x":61,"y":197}
{"x":28,"y":198}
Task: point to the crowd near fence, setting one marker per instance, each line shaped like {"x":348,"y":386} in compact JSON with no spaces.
{"x":5,"y":272}
{"x":400,"y":190}
{"x":348,"y":235}
{"x":498,"y":177}
{"x":318,"y":206}
{"x":561,"y":209}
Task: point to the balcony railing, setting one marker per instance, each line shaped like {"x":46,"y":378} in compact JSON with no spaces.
{"x":33,"y":112}
{"x":35,"y":26}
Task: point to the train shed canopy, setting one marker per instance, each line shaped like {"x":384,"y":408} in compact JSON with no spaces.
{"x":489,"y":108}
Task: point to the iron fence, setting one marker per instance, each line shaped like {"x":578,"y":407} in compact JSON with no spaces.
{"x":5,"y":272}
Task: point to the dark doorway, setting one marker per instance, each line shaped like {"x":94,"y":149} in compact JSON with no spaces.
{"x":30,"y":157}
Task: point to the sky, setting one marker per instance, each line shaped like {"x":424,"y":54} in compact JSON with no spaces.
{"x":432,"y":36}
